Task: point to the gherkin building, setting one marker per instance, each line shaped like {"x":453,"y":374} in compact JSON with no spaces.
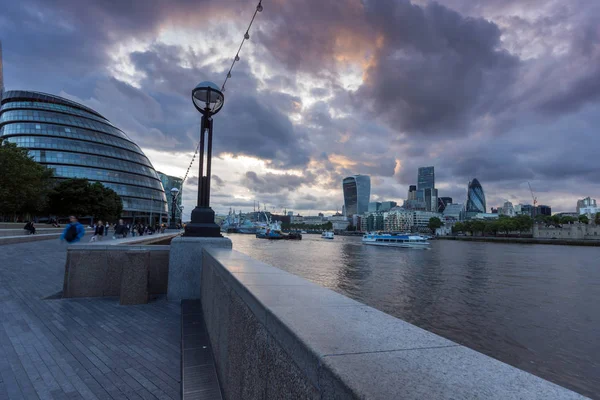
{"x":475,"y":199}
{"x":77,"y":142}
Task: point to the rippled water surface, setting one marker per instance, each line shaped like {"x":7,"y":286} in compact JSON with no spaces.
{"x":536,"y":307}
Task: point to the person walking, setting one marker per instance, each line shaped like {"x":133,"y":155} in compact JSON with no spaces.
{"x":119,"y":230}
{"x":98,"y":231}
{"x":106,"y":225}
{"x":73,"y":232}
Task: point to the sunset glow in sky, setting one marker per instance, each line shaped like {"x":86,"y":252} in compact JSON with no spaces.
{"x":507,"y":92}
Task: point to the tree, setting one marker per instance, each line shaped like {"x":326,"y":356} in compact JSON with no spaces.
{"x":492,"y":227}
{"x":567,"y":220}
{"x":479,"y":226}
{"x":584,"y":219}
{"x":24,"y":184}
{"x":458,"y":227}
{"x":523,"y":223}
{"x":434,"y":223}
{"x":82,"y":198}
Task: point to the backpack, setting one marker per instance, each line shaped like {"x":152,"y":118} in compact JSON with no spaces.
{"x":71,"y":233}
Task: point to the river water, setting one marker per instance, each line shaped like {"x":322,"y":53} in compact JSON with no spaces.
{"x":536,"y":307}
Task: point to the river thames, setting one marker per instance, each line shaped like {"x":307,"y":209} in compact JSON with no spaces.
{"x":536,"y":307}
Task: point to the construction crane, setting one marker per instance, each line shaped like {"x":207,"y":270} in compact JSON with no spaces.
{"x":532,"y":195}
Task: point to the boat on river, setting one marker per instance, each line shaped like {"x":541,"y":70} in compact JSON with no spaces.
{"x":395,"y":240}
{"x":327,"y":235}
{"x":273,"y":232}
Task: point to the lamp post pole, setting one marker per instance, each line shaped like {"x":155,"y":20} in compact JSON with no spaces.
{"x":208,"y":100}
{"x":174,"y":193}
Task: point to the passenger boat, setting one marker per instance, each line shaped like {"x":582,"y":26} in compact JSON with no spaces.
{"x":327,"y":235}
{"x":395,"y":240}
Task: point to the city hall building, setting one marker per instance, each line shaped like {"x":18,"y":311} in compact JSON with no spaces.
{"x":77,"y":142}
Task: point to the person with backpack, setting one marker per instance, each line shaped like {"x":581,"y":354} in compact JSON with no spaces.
{"x":73,"y":232}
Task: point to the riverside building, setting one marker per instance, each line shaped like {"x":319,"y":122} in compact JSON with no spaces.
{"x":78,"y":142}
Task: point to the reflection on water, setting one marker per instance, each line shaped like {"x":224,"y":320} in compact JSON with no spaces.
{"x":533,"y":306}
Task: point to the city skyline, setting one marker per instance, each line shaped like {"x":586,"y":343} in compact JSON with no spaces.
{"x":310,"y":103}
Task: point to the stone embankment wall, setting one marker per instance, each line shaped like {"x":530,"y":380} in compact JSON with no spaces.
{"x":563,"y":242}
{"x":576,"y":231}
{"x":275,"y":335}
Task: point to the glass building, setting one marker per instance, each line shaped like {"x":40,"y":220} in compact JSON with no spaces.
{"x":426,"y":178}
{"x":475,"y":199}
{"x":170,"y":182}
{"x":357,"y":191}
{"x":426,"y":191}
{"x":77,"y":142}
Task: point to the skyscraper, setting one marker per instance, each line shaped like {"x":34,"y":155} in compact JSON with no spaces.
{"x":426,"y":191}
{"x":357,"y":191}
{"x":412,"y":192}
{"x":426,"y":178}
{"x":475,"y":199}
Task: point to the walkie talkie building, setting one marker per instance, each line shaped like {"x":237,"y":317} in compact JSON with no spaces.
{"x":357,"y":191}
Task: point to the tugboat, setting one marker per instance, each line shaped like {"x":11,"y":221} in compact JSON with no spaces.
{"x":327,"y":235}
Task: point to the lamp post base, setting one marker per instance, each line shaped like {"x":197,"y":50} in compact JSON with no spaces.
{"x":202,"y":224}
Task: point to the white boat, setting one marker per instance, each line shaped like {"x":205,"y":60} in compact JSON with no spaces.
{"x":395,"y":240}
{"x":327,"y":235}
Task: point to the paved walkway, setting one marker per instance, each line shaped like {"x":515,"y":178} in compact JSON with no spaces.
{"x":79,"y":348}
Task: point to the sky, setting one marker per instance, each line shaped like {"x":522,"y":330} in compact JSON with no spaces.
{"x":505,"y":91}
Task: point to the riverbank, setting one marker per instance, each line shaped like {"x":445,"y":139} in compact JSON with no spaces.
{"x":561,"y":242}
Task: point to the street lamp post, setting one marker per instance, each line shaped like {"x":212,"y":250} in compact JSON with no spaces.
{"x":174,"y":193}
{"x":208,"y":100}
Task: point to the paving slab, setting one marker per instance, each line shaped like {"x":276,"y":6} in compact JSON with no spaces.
{"x":87,"y":348}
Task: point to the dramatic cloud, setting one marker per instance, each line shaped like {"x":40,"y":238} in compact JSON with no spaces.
{"x":504,"y":91}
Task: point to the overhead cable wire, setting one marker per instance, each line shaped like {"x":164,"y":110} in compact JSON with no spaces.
{"x":246,"y":37}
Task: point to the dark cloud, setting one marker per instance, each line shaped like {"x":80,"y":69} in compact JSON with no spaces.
{"x":275,"y":183}
{"x":435,"y":70}
{"x":216,"y":181}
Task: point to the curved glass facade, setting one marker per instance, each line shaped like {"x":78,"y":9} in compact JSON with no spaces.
{"x":357,"y":191}
{"x":77,"y":142}
{"x":475,"y":199}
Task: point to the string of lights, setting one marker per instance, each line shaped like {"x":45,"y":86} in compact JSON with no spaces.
{"x":258,"y":9}
{"x":191,"y":163}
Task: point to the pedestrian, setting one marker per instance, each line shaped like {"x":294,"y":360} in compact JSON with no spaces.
{"x":98,"y":232}
{"x":73,"y":232}
{"x":119,"y":230}
{"x":106,"y":225}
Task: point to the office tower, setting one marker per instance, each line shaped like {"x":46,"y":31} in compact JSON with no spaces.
{"x":357,"y":191}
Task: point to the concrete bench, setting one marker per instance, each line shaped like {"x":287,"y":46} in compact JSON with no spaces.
{"x":102,"y":270}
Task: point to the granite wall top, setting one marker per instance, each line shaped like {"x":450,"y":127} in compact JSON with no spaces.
{"x":347,"y":348}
